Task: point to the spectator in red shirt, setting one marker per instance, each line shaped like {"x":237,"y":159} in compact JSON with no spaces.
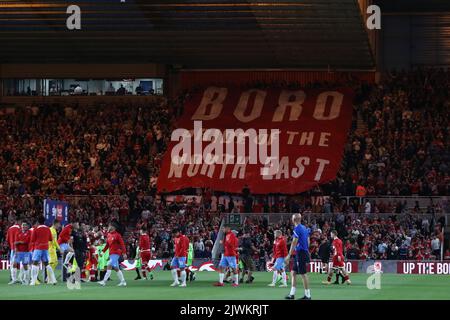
{"x":447,"y":254}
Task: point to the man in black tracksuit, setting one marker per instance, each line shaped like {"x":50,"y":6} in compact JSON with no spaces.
{"x":247,"y":249}
{"x":324,"y":254}
{"x":79,"y":245}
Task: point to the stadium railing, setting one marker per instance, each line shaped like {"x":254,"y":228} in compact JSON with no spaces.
{"x":423,"y":201}
{"x":237,"y":218}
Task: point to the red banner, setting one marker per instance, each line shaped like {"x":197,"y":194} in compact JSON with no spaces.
{"x":310,"y":128}
{"x":423,"y":267}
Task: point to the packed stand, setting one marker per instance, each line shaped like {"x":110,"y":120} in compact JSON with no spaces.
{"x":402,"y":147}
{"x":398,"y":145}
{"x":104,"y":150}
{"x":397,"y":237}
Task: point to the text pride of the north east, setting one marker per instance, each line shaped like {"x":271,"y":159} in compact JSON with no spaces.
{"x":313,"y":127}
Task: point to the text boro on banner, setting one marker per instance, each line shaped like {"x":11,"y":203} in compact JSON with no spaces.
{"x":273,"y":140}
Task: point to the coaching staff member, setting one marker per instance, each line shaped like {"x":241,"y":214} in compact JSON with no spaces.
{"x":79,"y":244}
{"x":300,"y":244}
{"x":324,"y":254}
{"x":247,"y":250}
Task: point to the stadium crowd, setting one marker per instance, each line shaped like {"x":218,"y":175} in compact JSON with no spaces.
{"x":403,"y":147}
{"x":398,"y":146}
{"x":397,"y":237}
{"x":367,"y":236}
{"x":103,"y":150}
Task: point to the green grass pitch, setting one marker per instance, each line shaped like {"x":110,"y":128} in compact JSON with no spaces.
{"x":393,"y":287}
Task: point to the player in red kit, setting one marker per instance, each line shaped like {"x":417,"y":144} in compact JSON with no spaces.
{"x":228,"y":259}
{"x":22,"y":253}
{"x":10,"y":238}
{"x":181,"y":243}
{"x":64,"y":238}
{"x":144,"y":250}
{"x":280,"y":252}
{"x":40,"y":238}
{"x":338,"y":259}
{"x":92,"y":261}
{"x":116,"y":246}
{"x":31,"y":248}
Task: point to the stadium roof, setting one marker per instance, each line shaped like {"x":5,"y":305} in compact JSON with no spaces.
{"x":413,"y":6}
{"x":307,"y":34}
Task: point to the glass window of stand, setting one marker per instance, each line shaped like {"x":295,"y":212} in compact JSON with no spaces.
{"x":82,"y":87}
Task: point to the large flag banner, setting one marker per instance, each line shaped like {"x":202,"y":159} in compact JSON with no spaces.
{"x":54,"y":209}
{"x":272,"y":140}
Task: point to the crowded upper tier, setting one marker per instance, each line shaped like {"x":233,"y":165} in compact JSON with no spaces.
{"x":398,"y":144}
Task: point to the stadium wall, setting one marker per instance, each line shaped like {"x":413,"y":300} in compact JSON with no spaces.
{"x":373,"y":36}
{"x":203,"y":78}
{"x":353,"y":266}
{"x":82,"y":71}
{"x":415,"y":40}
{"x":12,"y":101}
{"x":78,"y":71}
